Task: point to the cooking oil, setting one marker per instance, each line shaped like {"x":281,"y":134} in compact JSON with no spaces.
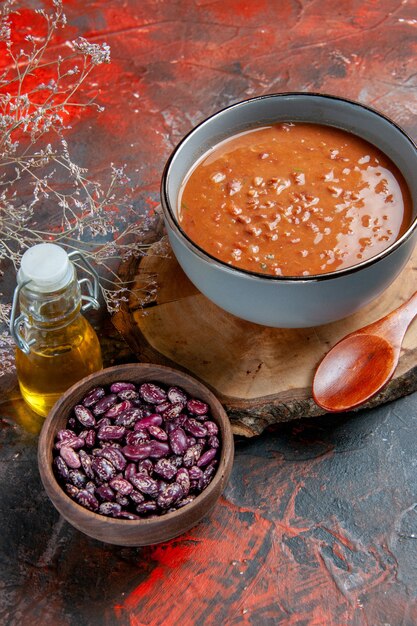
{"x":54,"y":365}
{"x":57,"y":346}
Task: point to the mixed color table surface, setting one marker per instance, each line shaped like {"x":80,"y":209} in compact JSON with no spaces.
{"x":318,"y":525}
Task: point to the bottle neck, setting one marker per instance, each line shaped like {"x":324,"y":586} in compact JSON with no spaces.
{"x":51,"y":309}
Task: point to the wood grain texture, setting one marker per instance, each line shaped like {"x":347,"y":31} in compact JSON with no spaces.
{"x":261,"y":375}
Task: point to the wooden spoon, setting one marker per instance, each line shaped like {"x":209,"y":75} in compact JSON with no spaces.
{"x":359,"y":365}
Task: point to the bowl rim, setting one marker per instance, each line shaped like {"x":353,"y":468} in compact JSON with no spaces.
{"x":252,"y":275}
{"x":47,"y":473}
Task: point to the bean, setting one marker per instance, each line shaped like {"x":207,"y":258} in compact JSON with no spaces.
{"x":93,"y":396}
{"x":213,"y":441}
{"x":165,"y":468}
{"x":206,"y":457}
{"x":110,"y":508}
{"x":191,"y":441}
{"x":103,"y":469}
{"x":193,"y":454}
{"x":170,"y":426}
{"x":84,"y":416}
{"x":175,"y":394}
{"x":115,"y":456}
{"x":173,"y":411}
{"x":176,"y":460}
{"x":135,"y":437}
{"x":169,"y":495}
{"x":178,"y":441}
{"x":197,"y":407}
{"x":129,"y":417}
{"x":136,"y":496}
{"x":105,"y":493}
{"x":145,"y":466}
{"x":195,"y":428}
{"x":145,"y":484}
{"x":195,"y":473}
{"x":161,"y":484}
{"x":71,"y":458}
{"x":147,"y":507}
{"x":206,"y":477}
{"x":71,"y":490}
{"x":111,"y":444}
{"x":152,"y":393}
{"x":70,"y":442}
{"x":160,"y":408}
{"x":122,"y":500}
{"x":86,"y":499}
{"x":104,"y":404}
{"x":121,"y":386}
{"x":91,"y":487}
{"x":129,"y":394}
{"x":104,"y":421}
{"x":180,"y":420}
{"x":137,"y":452}
{"x":130,"y":470}
{"x":158,"y":433}
{"x":211,"y":427}
{"x":150,"y":420}
{"x":61,"y":467}
{"x":158,"y":449}
{"x":117,"y":409}
{"x":183,"y":479}
{"x":77,"y":478}
{"x":111,"y":432}
{"x":127,"y":515}
{"x":90,"y":438}
{"x":86,"y":463}
{"x":65,"y":434}
{"x":121,"y":485}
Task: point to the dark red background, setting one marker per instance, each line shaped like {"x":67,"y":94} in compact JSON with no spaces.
{"x":318,"y":525}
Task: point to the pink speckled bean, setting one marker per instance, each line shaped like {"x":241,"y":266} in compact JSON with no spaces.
{"x":153,"y":394}
{"x":71,"y":458}
{"x":121,"y":386}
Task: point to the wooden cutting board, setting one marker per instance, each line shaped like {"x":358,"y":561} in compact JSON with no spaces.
{"x":261,"y":375}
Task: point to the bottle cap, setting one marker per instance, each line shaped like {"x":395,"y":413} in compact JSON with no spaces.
{"x":47,"y":266}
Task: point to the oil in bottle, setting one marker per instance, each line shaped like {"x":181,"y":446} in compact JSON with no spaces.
{"x":58,"y":346}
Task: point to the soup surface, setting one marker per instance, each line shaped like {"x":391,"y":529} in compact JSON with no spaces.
{"x":294,"y":199}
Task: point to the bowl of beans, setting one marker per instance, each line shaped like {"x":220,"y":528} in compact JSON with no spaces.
{"x":293,"y":209}
{"x":135,"y":454}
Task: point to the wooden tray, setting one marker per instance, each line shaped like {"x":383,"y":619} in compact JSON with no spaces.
{"x":261,"y":375}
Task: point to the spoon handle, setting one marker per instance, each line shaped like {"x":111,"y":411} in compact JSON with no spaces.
{"x":394,"y":325}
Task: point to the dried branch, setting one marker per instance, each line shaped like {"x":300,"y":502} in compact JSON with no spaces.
{"x":37,"y":171}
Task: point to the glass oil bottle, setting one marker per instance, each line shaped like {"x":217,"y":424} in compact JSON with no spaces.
{"x":56,"y":345}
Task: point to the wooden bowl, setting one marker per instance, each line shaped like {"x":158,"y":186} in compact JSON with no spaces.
{"x":134,"y":532}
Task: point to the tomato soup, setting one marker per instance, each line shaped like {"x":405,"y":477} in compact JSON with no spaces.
{"x":294,"y":199}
